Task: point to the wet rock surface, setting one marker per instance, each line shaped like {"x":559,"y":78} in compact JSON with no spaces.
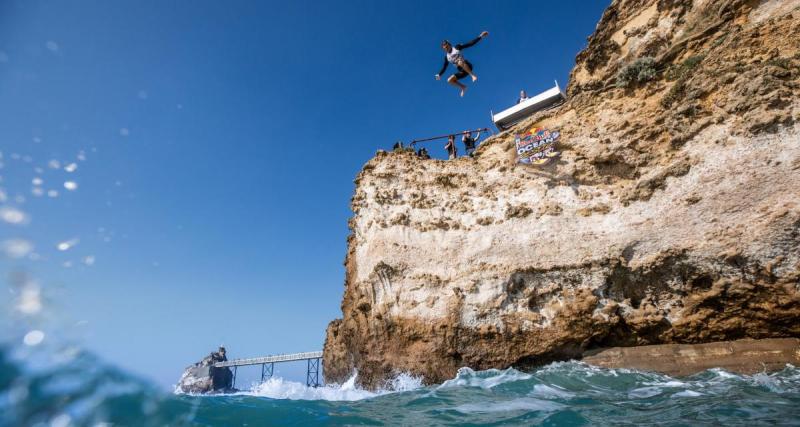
{"x":742,"y":356}
{"x":671,"y":216}
{"x":204,"y":378}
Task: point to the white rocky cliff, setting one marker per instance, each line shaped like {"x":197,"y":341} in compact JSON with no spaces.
{"x":671,"y":216}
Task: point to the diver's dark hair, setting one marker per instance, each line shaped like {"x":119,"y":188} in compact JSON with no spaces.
{"x":445,"y":41}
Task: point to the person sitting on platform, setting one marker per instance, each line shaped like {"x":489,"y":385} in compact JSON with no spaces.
{"x":522,"y":96}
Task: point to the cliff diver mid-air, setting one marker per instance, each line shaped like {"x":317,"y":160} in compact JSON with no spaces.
{"x":454,"y":56}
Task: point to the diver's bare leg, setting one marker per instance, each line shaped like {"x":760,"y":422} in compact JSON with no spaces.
{"x":454,"y":81}
{"x":466,"y":67}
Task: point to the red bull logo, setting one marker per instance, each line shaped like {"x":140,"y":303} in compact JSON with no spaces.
{"x":537,"y":146}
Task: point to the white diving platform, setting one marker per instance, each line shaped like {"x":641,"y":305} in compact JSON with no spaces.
{"x":506,"y":118}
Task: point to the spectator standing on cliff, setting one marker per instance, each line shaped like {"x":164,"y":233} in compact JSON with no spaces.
{"x":423,"y":153}
{"x":469,"y":142}
{"x":452,"y":151}
{"x":454,"y":56}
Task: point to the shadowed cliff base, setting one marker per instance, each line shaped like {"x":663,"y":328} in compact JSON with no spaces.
{"x":671,"y":215}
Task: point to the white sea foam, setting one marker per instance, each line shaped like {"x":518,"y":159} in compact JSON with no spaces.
{"x":769,"y":382}
{"x":645,"y":392}
{"x":403,"y":382}
{"x":521,"y":404}
{"x":546,"y":391}
{"x":721,"y":373}
{"x":584,"y":369}
{"x":670,"y":383}
{"x":467,"y":377}
{"x":279,"y":388}
{"x":654,"y":388}
{"x":687,"y":393}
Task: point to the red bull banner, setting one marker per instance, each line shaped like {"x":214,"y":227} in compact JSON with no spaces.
{"x":537,"y":146}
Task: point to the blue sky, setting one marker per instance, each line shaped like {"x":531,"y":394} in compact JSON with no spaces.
{"x":221,"y":140}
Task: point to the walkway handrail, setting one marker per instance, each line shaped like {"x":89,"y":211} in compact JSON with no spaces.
{"x":445,"y":136}
{"x":270,"y":359}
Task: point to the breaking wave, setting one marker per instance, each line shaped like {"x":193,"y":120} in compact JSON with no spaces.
{"x":79,"y":389}
{"x":279,"y":388}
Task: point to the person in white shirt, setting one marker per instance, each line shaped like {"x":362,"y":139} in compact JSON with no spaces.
{"x":454,"y":56}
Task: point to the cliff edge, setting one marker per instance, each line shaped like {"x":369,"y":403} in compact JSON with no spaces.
{"x":671,"y":216}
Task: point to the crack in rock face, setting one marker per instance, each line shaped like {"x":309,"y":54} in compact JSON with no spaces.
{"x":671,"y":215}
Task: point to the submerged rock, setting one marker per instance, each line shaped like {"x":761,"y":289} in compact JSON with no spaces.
{"x":203,"y":377}
{"x":671,"y":216}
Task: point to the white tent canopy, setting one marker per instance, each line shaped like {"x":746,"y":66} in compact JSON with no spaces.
{"x":506,"y":118}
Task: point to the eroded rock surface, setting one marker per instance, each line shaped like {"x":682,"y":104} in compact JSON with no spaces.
{"x":741,"y":356}
{"x":672,"y":215}
{"x":205,"y":378}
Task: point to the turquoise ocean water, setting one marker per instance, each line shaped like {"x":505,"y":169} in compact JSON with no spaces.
{"x":73,"y":388}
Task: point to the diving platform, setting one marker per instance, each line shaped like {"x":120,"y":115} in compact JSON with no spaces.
{"x":313,"y":358}
{"x":510,"y":116}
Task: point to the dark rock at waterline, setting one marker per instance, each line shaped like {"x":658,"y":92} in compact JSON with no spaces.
{"x":204,"y":378}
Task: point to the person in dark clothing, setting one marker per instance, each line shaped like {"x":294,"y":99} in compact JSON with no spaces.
{"x":452,"y":151}
{"x":522,"y":97}
{"x":213,"y":357}
{"x":469,"y":142}
{"x":454,"y":56}
{"x":219,"y":355}
{"x":423,"y":153}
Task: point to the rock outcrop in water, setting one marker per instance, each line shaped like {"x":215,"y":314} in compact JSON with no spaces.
{"x":203,"y":377}
{"x":672,"y":215}
{"x":741,"y":356}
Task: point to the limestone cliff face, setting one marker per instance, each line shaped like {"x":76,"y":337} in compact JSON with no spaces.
{"x":672,"y":215}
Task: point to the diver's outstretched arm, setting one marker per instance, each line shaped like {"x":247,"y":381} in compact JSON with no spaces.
{"x":472,"y":42}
